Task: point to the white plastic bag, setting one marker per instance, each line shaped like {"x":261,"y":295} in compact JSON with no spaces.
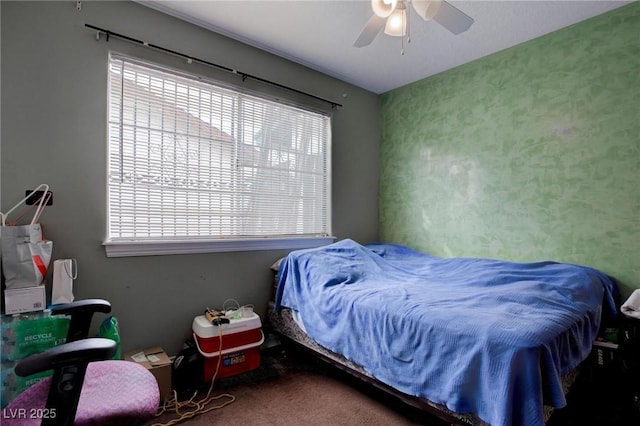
{"x":64,"y":272}
{"x":25,"y":254}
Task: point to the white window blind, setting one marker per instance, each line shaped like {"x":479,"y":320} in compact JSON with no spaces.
{"x":192,"y":160}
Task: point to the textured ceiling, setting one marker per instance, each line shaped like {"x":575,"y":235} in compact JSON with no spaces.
{"x":320,"y":33}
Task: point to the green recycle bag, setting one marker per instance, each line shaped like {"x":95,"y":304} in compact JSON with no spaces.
{"x":23,"y":335}
{"x":26,"y":334}
{"x":109,"y":330}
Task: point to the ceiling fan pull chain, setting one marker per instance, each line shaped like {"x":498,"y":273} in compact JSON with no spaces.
{"x":406,"y":27}
{"x":408,"y":23}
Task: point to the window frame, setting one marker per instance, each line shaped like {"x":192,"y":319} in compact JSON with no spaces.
{"x":123,"y":247}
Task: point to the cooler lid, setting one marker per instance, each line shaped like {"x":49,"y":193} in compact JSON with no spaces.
{"x":203,"y":328}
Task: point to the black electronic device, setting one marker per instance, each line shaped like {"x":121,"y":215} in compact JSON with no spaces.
{"x":216,"y":317}
{"x":630,"y":345}
{"x":186,"y":370}
{"x":213,"y":314}
{"x":220,"y":321}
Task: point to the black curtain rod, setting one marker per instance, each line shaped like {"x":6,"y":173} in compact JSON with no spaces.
{"x":243,"y":75}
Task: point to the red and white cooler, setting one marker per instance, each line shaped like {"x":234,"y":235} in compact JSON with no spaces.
{"x":237,"y":343}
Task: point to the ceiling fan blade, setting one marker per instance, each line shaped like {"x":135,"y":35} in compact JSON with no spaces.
{"x":370,"y":31}
{"x":452,"y":18}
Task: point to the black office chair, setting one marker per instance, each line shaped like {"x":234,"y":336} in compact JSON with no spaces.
{"x":87,"y":388}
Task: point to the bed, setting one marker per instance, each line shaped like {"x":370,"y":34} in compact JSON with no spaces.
{"x":476,"y":341}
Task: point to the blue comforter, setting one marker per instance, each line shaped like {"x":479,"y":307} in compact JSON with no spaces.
{"x":477,"y":335}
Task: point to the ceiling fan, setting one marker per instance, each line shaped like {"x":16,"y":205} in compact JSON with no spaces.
{"x":393,"y":17}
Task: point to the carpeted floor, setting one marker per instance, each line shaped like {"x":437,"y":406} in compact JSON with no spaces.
{"x":290,"y":388}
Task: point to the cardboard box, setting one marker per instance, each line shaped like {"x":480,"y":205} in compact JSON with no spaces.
{"x":28,"y":299}
{"x":158,"y":363}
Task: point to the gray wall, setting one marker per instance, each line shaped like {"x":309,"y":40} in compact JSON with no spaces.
{"x":54,"y":84}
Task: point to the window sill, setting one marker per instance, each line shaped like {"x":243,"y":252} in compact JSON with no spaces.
{"x":160,"y":248}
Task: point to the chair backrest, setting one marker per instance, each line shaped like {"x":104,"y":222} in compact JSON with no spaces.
{"x":81,"y":313}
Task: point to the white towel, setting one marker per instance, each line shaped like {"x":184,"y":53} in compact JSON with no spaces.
{"x":631,"y":307}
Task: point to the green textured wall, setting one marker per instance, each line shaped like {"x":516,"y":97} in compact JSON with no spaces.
{"x":532,"y":153}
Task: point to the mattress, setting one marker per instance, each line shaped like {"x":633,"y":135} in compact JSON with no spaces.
{"x":478,"y":336}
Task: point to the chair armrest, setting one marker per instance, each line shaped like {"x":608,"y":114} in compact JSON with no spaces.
{"x":79,"y":352}
{"x":84,"y":305}
{"x":81,"y":313}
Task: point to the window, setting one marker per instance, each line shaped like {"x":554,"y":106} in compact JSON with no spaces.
{"x":195,"y":166}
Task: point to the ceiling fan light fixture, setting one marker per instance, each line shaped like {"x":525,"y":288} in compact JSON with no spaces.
{"x":383,"y":8}
{"x":396,"y":24}
{"x":394,"y":18}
